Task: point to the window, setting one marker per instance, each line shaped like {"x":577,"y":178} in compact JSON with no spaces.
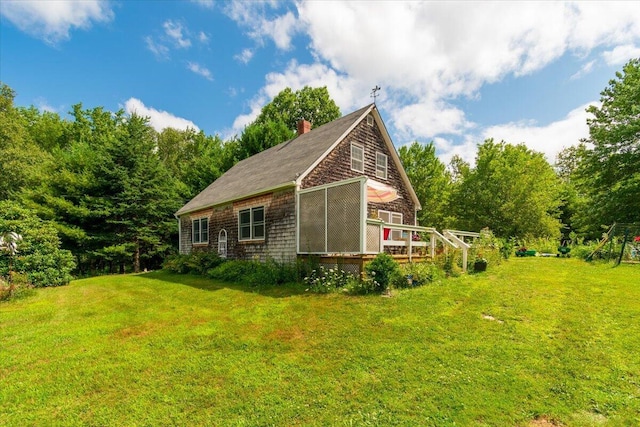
{"x":391,"y":218}
{"x":222,"y":243}
{"x":370,"y":120}
{"x":200,"y":230}
{"x":381,"y":165}
{"x":251,"y":223}
{"x":357,"y":157}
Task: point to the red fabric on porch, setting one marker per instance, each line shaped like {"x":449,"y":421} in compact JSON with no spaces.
{"x":386,"y":232}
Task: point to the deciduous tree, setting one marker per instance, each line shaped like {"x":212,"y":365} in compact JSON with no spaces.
{"x":512,"y":190}
{"x":609,"y":170}
{"x":431,"y":182}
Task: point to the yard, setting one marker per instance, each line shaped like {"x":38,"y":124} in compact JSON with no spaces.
{"x":533,"y":342}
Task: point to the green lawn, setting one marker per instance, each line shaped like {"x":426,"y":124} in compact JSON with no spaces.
{"x":536,"y":341}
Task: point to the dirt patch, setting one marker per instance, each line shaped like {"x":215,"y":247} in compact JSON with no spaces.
{"x":491,"y":318}
{"x":544,"y":422}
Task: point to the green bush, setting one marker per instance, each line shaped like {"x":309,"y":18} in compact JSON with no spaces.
{"x":256,"y":273}
{"x":324,"y":280}
{"x":20,"y":287}
{"x":420,"y":273}
{"x":450,"y":262}
{"x":356,"y":286}
{"x":489,"y":248}
{"x":199,"y":262}
{"x":233,"y":271}
{"x":39,"y":255}
{"x":384,"y":271}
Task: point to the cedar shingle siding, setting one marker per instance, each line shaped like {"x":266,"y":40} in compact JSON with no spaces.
{"x":337,"y":167}
{"x":270,"y":179}
{"x":280,"y":228}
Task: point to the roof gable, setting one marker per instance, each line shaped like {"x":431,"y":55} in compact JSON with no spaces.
{"x":277,"y":167}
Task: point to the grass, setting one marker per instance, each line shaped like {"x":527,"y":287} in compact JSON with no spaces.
{"x":535,"y":341}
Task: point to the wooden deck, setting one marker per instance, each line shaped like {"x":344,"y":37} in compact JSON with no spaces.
{"x":355,"y":263}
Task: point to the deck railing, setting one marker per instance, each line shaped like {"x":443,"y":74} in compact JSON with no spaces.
{"x":415,"y":240}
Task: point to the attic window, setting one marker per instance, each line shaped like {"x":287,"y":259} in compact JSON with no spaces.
{"x":370,"y":120}
{"x":381,"y":165}
{"x":357,"y":157}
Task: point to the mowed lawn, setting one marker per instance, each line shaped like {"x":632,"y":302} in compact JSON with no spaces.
{"x":534,"y":342}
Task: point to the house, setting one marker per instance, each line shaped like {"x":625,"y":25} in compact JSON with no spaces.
{"x":336,"y":190}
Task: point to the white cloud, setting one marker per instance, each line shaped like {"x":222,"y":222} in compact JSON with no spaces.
{"x":44,"y":106}
{"x":203,"y":37}
{"x":549,"y":139}
{"x":158,"y":119}
{"x":621,"y":54}
{"x":52,"y":21}
{"x":297,"y":76}
{"x":427,"y":55}
{"x":200,"y":70}
{"x":158,"y":49}
{"x":253,"y":17}
{"x":429,"y":119}
{"x":174,"y":30}
{"x":586,"y":69}
{"x":207,"y":4}
{"x":244,"y":56}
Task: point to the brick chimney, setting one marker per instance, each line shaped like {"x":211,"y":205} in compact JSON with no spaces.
{"x":303,"y":126}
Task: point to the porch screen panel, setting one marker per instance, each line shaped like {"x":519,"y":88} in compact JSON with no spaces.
{"x":312,"y":225}
{"x":373,"y":238}
{"x":343,"y":218}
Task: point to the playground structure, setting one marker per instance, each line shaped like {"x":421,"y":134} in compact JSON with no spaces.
{"x":624,"y":235}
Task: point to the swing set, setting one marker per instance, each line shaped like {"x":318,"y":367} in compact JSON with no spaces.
{"x":626,"y":237}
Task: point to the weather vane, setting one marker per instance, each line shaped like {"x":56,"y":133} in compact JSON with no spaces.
{"x":374,"y":93}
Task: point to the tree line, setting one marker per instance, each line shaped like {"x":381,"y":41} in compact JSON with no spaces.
{"x":517,"y":193}
{"x":108,"y":184}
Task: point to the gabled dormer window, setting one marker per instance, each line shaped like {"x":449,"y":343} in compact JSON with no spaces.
{"x":381,"y":165}
{"x":357,"y":157}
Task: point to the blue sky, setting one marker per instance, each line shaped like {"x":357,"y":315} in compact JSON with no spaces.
{"x":451,"y":72}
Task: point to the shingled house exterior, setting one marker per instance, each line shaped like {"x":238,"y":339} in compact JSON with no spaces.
{"x":336,"y":190}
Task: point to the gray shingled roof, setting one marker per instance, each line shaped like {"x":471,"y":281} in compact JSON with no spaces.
{"x":275,"y":167}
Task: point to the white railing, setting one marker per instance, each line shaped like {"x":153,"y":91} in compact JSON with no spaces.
{"x":402,"y":235}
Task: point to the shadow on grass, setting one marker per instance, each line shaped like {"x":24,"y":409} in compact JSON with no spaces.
{"x":200,"y":282}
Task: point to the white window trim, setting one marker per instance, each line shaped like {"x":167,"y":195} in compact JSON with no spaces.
{"x":370,"y":120}
{"x":353,"y":144}
{"x":382,"y":174}
{"x":193,"y":231}
{"x":252,"y":224}
{"x":395,"y":234}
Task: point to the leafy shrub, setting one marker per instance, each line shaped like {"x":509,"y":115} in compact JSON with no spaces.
{"x":420,"y":273}
{"x":39,"y":255}
{"x":507,"y":247}
{"x":360,"y":286}
{"x":450,"y":262}
{"x":255,"y":273}
{"x":199,"y":262}
{"x":384,"y":270}
{"x":19,"y":287}
{"x":273,"y":272}
{"x":233,"y":270}
{"x":324,"y":280}
{"x":177,"y":263}
{"x":487,"y":247}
